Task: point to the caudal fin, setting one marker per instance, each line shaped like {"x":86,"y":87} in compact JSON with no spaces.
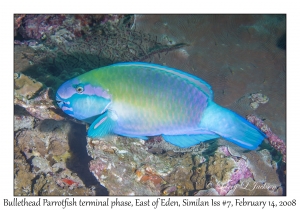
{"x":231,"y":126}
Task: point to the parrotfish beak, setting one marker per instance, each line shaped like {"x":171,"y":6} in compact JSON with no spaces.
{"x":63,"y":95}
{"x":59,"y":101}
{"x":64,"y":105}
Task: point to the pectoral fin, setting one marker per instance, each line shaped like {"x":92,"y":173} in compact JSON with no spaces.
{"x":103,"y":125}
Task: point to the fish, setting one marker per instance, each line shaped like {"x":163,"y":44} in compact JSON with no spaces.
{"x":141,"y":100}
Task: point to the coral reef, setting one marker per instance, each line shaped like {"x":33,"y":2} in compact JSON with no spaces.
{"x":37,"y":143}
{"x":273,"y":139}
{"x":157,"y":145}
{"x":63,"y":183}
{"x":225,"y":170}
{"x":265,"y":180}
{"x":22,"y":175}
{"x":25,"y":87}
{"x":208,"y":192}
{"x":263,"y":167}
{"x":38,"y":26}
{"x":42,"y":154}
{"x":41,"y":106}
{"x":125,"y":167}
{"x":68,"y":45}
{"x":252,"y":173}
{"x":37,"y":182}
{"x":35,"y":26}
{"x":23,"y":122}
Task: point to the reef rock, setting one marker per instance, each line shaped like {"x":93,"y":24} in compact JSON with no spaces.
{"x":230,"y":173}
{"x":263,"y":168}
{"x":41,"y":154}
{"x":28,"y":94}
{"x":46,"y":143}
{"x":26,"y":87}
{"x":23,"y":122}
{"x":62,"y":183}
{"x":126,"y":167}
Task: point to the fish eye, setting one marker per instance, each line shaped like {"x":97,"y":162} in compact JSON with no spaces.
{"x":79,"y":89}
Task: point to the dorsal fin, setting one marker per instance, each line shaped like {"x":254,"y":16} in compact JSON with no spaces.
{"x":204,"y":86}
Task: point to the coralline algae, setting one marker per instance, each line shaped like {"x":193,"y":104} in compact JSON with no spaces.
{"x":273,"y":139}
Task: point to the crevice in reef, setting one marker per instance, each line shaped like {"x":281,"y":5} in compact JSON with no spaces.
{"x":79,"y":161}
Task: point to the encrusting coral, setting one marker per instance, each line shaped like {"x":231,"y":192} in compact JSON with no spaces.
{"x":273,"y":139}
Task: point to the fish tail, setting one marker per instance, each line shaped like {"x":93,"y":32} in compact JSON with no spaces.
{"x":231,"y":126}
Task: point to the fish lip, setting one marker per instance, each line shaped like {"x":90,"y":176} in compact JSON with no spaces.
{"x":61,"y":102}
{"x":66,"y":108}
{"x":64,"y":105}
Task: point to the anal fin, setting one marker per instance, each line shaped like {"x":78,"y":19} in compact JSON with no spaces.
{"x":134,"y":136}
{"x":184,"y":141}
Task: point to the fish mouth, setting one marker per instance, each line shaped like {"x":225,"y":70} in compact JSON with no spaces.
{"x":59,"y":101}
{"x":64,"y":105}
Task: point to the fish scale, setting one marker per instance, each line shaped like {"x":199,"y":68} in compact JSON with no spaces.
{"x":140,"y":99}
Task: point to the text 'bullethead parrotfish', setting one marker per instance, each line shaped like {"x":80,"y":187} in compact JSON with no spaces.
{"x":140,"y":100}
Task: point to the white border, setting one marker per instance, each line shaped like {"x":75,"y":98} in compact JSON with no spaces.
{"x":142,"y":7}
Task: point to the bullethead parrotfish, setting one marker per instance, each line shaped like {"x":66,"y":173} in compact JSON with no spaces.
{"x":140,"y":100}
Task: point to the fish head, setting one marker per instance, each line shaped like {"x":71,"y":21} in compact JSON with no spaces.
{"x":82,"y":100}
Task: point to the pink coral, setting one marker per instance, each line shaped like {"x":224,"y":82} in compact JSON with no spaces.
{"x":241,"y":172}
{"x":224,"y":150}
{"x":35,"y":26}
{"x":274,"y":140}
